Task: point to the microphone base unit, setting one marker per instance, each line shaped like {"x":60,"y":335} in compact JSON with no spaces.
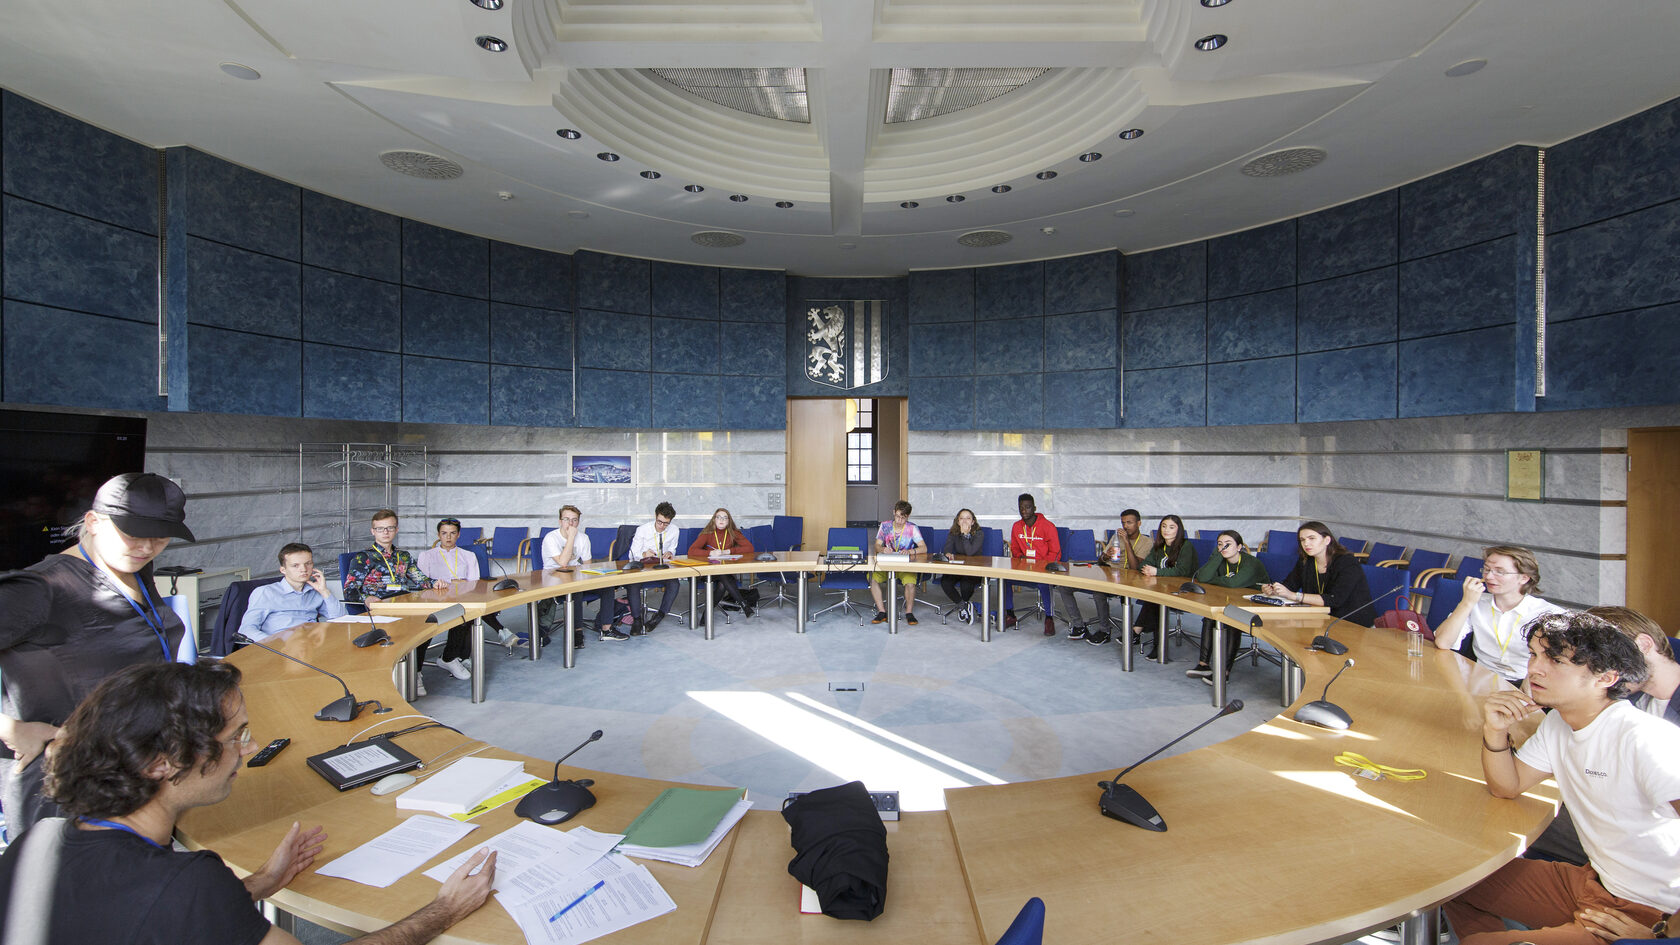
{"x":342,"y":709}
{"x":1324,"y":644}
{"x":1121,"y":802}
{"x":1324,"y":714}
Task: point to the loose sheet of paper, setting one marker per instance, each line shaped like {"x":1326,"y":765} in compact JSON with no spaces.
{"x":586,"y":854}
{"x":398,"y":851}
{"x":363,"y":618}
{"x":525,"y":845}
{"x":629,"y":895}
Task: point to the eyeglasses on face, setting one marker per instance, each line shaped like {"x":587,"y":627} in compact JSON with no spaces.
{"x":1487,"y":571}
{"x":384,"y":529}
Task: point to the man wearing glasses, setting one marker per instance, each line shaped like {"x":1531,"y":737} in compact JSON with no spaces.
{"x":382,"y":571}
{"x":655,"y":544}
{"x":1495,"y":608}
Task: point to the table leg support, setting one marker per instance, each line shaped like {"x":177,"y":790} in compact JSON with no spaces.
{"x":709,"y":602}
{"x":799,"y":624}
{"x":892,"y":601}
{"x":1126,"y":654}
{"x":1217,"y":661}
{"x":1161,"y":637}
{"x":568,"y":657}
{"x":693,"y":613}
{"x":1292,"y":678}
{"x":1423,"y":928}
{"x":985,"y":610}
{"x":477,"y":661}
{"x":536,"y":631}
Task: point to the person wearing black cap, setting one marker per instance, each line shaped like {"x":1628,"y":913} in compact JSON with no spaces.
{"x":77,"y":617}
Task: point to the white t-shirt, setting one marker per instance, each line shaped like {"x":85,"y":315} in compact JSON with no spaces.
{"x":555,"y":541}
{"x":456,"y":564}
{"x":1618,"y":776}
{"x":1497,"y":637}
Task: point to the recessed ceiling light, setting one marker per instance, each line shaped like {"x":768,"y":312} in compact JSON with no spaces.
{"x":1123,"y":212}
{"x":607,"y":156}
{"x":578,"y":214}
{"x":955,"y":198}
{"x":570,"y":134}
{"x":492,"y":44}
{"x":651,"y":175}
{"x":1131,"y":134}
{"x":738,"y":198}
{"x":497,"y":4}
{"x":1206,"y":3}
{"x":1002,"y":189}
{"x":848,"y":246}
{"x":1090,"y":156}
{"x":1285,"y":161}
{"x":784,"y":204}
{"x":504,"y":195}
{"x":693,"y":188}
{"x":1211,"y":42}
{"x":1046,"y":175}
{"x":717,"y":239}
{"x":239,"y":70}
{"x":909,"y":204}
{"x":983,"y":238}
{"x":1467,"y":67}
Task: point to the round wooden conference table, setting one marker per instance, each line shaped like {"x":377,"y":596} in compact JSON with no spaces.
{"x":1268,"y":839}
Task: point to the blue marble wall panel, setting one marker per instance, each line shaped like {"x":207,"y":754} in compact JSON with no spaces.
{"x":612,"y":283}
{"x":233,"y":288}
{"x":445,"y":326}
{"x":1261,"y":391}
{"x":437,"y":390}
{"x":1166,"y":337}
{"x":752,"y":349}
{"x":1346,"y":312}
{"x":1622,"y":263}
{"x":53,"y":159}
{"x":1349,"y":238}
{"x":1166,"y":397}
{"x":236,"y":372}
{"x":445,"y":260}
{"x":1009,"y":402}
{"x":753,"y":403}
{"x":1009,"y":291}
{"x":1261,"y":325}
{"x":610,"y":340}
{"x":349,"y":310}
{"x":685,"y":346}
{"x":1172,"y":276}
{"x":613,"y":399}
{"x":1470,"y":372}
{"x":1621,"y":167}
{"x":1352,"y":384}
{"x":1010,"y":346}
{"x":532,"y":337}
{"x":230,"y":204}
{"x":942,"y":295}
{"x":753,"y":295}
{"x":681,"y":291}
{"x":1615,"y":360}
{"x":532,"y":277}
{"x":530,"y":396}
{"x":67,"y":261}
{"x":1251,"y":261}
{"x":351,"y":383}
{"x":1467,"y":204}
{"x":1080,"y":399}
{"x":942,"y":350}
{"x":941,"y":403}
{"x":685,"y":401}
{"x":350,"y":238}
{"x":37,"y":371}
{"x":1473,"y":287}
{"x":1086,"y":341}
{"x":1081,"y":283}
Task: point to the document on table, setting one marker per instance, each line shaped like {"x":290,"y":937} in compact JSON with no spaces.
{"x":398,"y":851}
{"x":692,"y":854}
{"x":526,"y":845}
{"x":363,"y":618}
{"x":613,"y":894}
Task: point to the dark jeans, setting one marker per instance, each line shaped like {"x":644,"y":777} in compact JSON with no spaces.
{"x":959,"y":589}
{"x":1233,"y":638}
{"x":638,"y":610}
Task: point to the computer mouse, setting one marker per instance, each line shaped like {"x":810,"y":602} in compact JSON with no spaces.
{"x":556,"y":802}
{"x":505,"y":584}
{"x":1056,"y":567}
{"x":392,"y":782}
{"x":1191,"y":587}
{"x":765,"y":556}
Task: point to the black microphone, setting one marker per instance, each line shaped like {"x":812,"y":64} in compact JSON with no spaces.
{"x":1325,"y":713}
{"x":1323,"y":644}
{"x":559,"y":801}
{"x":506,"y":583}
{"x":374,"y":634}
{"x":342,"y":709}
{"x":1122,"y":802}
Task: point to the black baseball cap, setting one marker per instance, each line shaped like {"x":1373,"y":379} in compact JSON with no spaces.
{"x":144,"y":505}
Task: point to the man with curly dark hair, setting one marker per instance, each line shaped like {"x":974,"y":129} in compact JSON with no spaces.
{"x":150,"y":743}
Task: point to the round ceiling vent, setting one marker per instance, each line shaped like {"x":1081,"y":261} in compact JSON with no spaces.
{"x":1287,"y":161}
{"x":717,"y":239}
{"x":420,"y":164}
{"x":985,"y":238}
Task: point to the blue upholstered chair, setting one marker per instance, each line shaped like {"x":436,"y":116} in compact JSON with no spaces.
{"x":855,"y":579}
{"x":470,"y":535}
{"x":1387,"y":555}
{"x":504,"y":541}
{"x":1028,"y":927}
{"x":1386,"y":584}
{"x":1278,"y":542}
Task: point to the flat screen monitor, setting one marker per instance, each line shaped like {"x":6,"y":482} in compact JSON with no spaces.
{"x":51,"y":464}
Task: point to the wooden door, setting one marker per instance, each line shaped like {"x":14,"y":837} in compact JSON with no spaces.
{"x":816,"y":462}
{"x":1653,"y":508}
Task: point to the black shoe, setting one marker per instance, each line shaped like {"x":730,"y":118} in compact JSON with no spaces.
{"x":545,"y":638}
{"x":653,"y":624}
{"x":1076,"y":632}
{"x":910,"y":618}
{"x":965,"y":613}
{"x":1201,"y":671}
{"x":1009,"y":620}
{"x":880,"y":617}
{"x":1097,"y":637}
{"x":749,"y":611}
{"x":612,"y":636}
{"x":639,"y":629}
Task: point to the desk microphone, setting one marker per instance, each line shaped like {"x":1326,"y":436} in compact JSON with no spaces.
{"x":1190,"y":587}
{"x":1324,"y":644}
{"x":342,"y":709}
{"x":1122,"y":802}
{"x":1324,"y":713}
{"x":559,"y":801}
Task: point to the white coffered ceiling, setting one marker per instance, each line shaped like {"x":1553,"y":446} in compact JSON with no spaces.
{"x":345,"y":80}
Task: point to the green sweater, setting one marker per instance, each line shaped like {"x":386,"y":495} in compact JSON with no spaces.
{"x":1185,"y":567}
{"x":1250,"y":572}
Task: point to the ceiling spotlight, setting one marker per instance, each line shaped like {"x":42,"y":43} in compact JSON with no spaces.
{"x":1046,"y":175}
{"x":1206,"y":3}
{"x":1467,"y":67}
{"x":492,"y":44}
{"x":955,"y":198}
{"x":1131,"y":134}
{"x":1211,"y":42}
{"x":570,"y":134}
{"x":607,"y":156}
{"x":239,"y":70}
{"x":497,"y":4}
{"x":578,"y":214}
{"x":784,"y":204}
{"x":1123,"y":212}
{"x":693,"y":188}
{"x":738,"y":198}
{"x":504,"y":195}
{"x":909,"y":204}
{"x":1090,"y":157}
{"x":651,"y":175}
{"x":1002,"y":189}
{"x":848,"y":246}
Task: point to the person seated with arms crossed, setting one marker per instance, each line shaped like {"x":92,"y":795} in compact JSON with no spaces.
{"x":1126,"y":548}
{"x":652,"y":545}
{"x":1494,"y":608}
{"x":900,"y":535}
{"x":720,"y":539}
{"x":448,"y":558}
{"x":1231,"y":567}
{"x":568,"y":547}
{"x":1170,"y":556}
{"x":300,"y":596}
{"x":1325,"y":574}
{"x":149,"y":744}
{"x":1035,"y":539}
{"x":964,"y":540}
{"x":1618,"y":770}
{"x":383,"y":571}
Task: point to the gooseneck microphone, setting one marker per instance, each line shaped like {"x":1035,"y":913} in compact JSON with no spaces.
{"x":342,"y":709}
{"x":1122,"y":802}
{"x":1323,"y":644}
{"x":559,"y":801}
{"x":1323,"y":712}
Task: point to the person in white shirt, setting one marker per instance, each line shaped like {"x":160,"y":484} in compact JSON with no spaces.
{"x":568,"y":547}
{"x":1618,"y":770}
{"x":655,"y":542}
{"x":1495,"y":608}
{"x":300,"y":596}
{"x":447,"y":561}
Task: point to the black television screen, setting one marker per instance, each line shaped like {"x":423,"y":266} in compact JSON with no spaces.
{"x":51,"y":464}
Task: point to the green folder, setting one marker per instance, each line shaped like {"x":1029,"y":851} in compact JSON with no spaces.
{"x":681,"y":816}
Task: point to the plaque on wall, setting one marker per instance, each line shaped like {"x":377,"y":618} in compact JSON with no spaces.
{"x":1525,"y":476}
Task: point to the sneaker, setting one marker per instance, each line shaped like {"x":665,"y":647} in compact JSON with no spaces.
{"x":577,"y":639}
{"x":1097,"y":637}
{"x":1009,"y":620}
{"x":1049,"y":626}
{"x":653,"y":624}
{"x":1209,"y":679}
{"x":613,"y":636}
{"x":910,"y":618}
{"x":1076,"y":632}
{"x":965,"y":613}
{"x":419,"y":686}
{"x":1201,"y":672}
{"x":506,"y":637}
{"x":880,"y":617}
{"x":460,"y":669}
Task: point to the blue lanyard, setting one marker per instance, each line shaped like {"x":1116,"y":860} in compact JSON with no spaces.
{"x":154,"y":622}
{"x":116,"y":826}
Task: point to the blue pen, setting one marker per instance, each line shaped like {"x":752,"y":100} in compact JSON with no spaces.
{"x":586,"y":894}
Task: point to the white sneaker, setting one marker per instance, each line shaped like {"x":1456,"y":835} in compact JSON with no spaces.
{"x":460,"y":669}
{"x":419,"y":685}
{"x":506,"y":637}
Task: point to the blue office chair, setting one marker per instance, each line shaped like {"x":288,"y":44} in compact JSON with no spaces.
{"x":789,"y":531}
{"x":1211,"y":534}
{"x":1278,"y":564}
{"x":235,"y":598}
{"x":531,"y":548}
{"x":1355,"y":545}
{"x":934,"y":538}
{"x":1387,"y":585}
{"x":1467,"y":567}
{"x":1028,"y":927}
{"x":1444,"y":596}
{"x":785,"y":534}
{"x":350,"y":606}
{"x":855,"y":579}
{"x":1278,"y":542}
{"x":1425,"y":566}
{"x":483,"y":555}
{"x":621,"y":542}
{"x":504,"y":541}
{"x":600,"y":541}
{"x":1386,"y":555}
{"x":470,"y":535}
{"x":1080,"y":545}
{"x":1206,"y":548}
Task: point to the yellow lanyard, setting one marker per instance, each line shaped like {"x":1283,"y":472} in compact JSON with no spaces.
{"x":722,"y":544}
{"x":390,"y":569}
{"x":1370,"y":769}
{"x":1493,"y":613}
{"x":449,"y":561}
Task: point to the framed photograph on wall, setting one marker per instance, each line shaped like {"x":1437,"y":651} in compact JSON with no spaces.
{"x":602,"y":469}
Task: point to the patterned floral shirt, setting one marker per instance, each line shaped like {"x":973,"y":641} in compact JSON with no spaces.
{"x":372,"y":571}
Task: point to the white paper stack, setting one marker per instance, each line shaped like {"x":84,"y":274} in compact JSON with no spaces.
{"x":612,"y":894}
{"x":459,"y":787}
{"x":692,"y":854}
